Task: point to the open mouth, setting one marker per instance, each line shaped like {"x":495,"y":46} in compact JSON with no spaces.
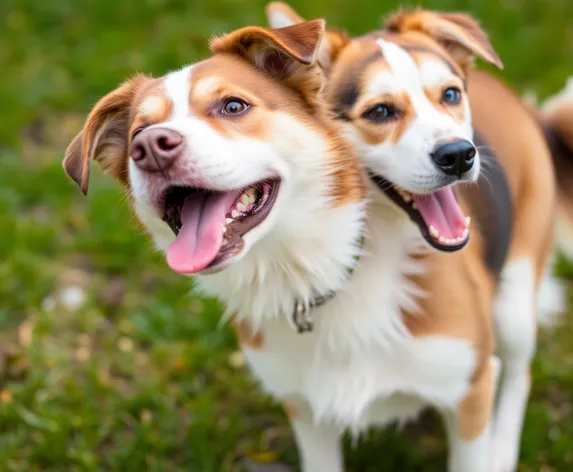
{"x":437,"y":214}
{"x":209,"y":225}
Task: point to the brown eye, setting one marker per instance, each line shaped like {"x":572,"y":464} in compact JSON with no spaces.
{"x":380,"y":112}
{"x":235,"y":106}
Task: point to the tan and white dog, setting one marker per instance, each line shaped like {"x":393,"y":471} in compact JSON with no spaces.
{"x":423,"y":121}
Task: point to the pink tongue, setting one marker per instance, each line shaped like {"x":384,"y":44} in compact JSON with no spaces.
{"x":441,"y":210}
{"x":201,"y":236}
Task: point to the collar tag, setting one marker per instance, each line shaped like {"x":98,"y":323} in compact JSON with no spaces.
{"x":301,"y":318}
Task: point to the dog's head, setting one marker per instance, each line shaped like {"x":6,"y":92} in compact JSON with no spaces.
{"x":217,"y":155}
{"x":402,"y":94}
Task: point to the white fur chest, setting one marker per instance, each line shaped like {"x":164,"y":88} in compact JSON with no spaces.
{"x":360,"y":366}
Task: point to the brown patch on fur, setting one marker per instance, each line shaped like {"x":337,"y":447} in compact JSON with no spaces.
{"x":348,"y":182}
{"x":407,"y":115}
{"x":458,"y":33}
{"x":374,"y":133}
{"x":105,"y":134}
{"x":466,"y":290}
{"x":335,"y":41}
{"x":475,"y":411}
{"x":246,"y":336}
{"x":346,"y":81}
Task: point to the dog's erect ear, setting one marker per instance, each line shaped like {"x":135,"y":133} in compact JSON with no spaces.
{"x":287,"y":54}
{"x":275,"y":51}
{"x":104,"y":137}
{"x":460,"y":34}
{"x":280,"y":15}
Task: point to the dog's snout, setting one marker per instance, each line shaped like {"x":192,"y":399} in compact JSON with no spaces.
{"x":455,"y":158}
{"x":155,"y":150}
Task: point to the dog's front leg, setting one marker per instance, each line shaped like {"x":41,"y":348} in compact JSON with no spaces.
{"x":469,"y":426}
{"x":319,"y":446}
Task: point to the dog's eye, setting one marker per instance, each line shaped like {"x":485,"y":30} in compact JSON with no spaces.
{"x":234,"y":106}
{"x":379,"y":112}
{"x":452,"y":96}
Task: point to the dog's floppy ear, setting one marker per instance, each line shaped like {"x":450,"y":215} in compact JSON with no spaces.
{"x":459,"y":33}
{"x":280,"y":14}
{"x":104,"y":137}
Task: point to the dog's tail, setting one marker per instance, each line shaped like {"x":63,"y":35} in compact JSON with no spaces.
{"x":556,"y":115}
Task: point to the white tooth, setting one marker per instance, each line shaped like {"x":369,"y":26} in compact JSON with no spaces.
{"x":224,"y":229}
{"x":241,"y":207}
{"x":252,"y":198}
{"x":235,"y":214}
{"x":442,"y":240}
{"x":407,"y":198}
{"x":414,"y":206}
{"x":434,"y":232}
{"x":468,"y":221}
{"x":229,"y":220}
{"x":245,"y":199}
{"x":465,"y":233}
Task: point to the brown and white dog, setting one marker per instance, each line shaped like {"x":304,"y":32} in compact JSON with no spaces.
{"x":425,"y":330}
{"x":237,"y":171}
{"x":241,"y":177}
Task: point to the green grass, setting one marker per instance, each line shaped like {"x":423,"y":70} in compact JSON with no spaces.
{"x":139,"y":376}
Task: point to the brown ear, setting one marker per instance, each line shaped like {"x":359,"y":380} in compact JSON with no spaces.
{"x":280,"y":15}
{"x":460,"y":34}
{"x":269,"y":49}
{"x":287,"y":54}
{"x":104,"y":137}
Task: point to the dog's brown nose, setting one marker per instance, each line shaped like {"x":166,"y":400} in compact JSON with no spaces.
{"x":155,"y":150}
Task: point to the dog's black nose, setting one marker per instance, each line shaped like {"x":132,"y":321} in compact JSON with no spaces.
{"x":455,"y":158}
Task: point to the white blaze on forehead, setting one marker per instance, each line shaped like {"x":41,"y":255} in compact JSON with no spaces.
{"x":177,"y":86}
{"x":402,"y":65}
{"x":382,"y":83}
{"x":435,"y":73}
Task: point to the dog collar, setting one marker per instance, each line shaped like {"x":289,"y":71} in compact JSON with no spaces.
{"x":301,"y":319}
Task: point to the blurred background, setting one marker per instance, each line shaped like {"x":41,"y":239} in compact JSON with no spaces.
{"x":107,"y":362}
